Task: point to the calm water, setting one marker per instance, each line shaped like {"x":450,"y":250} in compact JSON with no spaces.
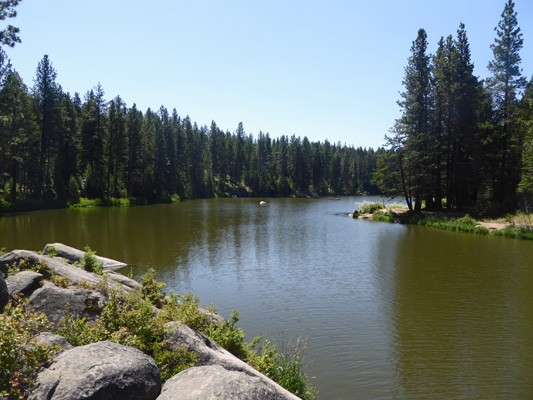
{"x":391,"y":311}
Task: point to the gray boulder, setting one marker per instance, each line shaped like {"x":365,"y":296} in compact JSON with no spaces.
{"x":210,"y":354}
{"x":72,"y":255}
{"x":215,"y":382}
{"x":52,"y":301}
{"x":99,"y":371}
{"x":4,"y":294}
{"x":24,"y":282}
{"x":49,"y":339}
{"x":56,"y":266}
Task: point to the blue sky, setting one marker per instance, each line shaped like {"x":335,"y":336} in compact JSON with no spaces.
{"x":326,"y":70}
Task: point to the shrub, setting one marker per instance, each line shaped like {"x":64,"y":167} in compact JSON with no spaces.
{"x":129,"y":321}
{"x":369,"y":208}
{"x":90,"y":263}
{"x":20,"y":358}
{"x":152,"y":290}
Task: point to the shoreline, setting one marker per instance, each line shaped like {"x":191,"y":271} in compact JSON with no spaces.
{"x":516,"y":227}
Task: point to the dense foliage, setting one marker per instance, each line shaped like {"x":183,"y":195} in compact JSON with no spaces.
{"x":462,"y":142}
{"x":58,"y":147}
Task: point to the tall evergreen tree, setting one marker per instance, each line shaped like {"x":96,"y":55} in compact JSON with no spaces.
{"x":506,"y":85}
{"x":47,"y":93}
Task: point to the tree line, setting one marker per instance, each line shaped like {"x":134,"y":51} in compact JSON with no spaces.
{"x":55,"y":146}
{"x":462,"y":142}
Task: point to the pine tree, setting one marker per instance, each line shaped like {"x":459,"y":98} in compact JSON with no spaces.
{"x":47,"y":93}
{"x":505,"y":86}
{"x":9,"y":36}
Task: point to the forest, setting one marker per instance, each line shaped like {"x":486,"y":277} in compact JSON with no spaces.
{"x":463,"y":143}
{"x":55,"y":146}
{"x":460,"y":143}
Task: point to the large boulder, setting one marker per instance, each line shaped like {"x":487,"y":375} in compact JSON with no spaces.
{"x":99,"y":371}
{"x":24,"y":283}
{"x":55,"y":266}
{"x":52,"y":301}
{"x":215,"y":382}
{"x":4,"y":294}
{"x":75,"y":255}
{"x":210,"y":354}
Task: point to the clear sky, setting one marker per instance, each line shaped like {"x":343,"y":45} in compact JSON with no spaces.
{"x":322,"y":69}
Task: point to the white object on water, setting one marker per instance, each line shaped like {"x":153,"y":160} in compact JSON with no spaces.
{"x":262,"y":202}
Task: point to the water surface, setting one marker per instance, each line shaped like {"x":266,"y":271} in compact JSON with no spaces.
{"x":391,"y":311}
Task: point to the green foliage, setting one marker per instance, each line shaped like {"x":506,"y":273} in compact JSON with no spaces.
{"x":151,"y":290}
{"x":230,"y":337}
{"x":387,"y":216}
{"x":27,"y":265}
{"x":90,"y":263}
{"x":20,"y":357}
{"x":369,"y":208}
{"x":186,"y":309}
{"x":52,"y":251}
{"x":73,"y":192}
{"x":463,"y":224}
{"x":285,"y":367}
{"x":129,"y":321}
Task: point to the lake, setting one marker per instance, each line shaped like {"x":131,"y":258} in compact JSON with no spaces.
{"x":391,"y":311}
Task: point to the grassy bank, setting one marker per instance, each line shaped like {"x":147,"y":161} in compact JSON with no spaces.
{"x":515,"y":226}
{"x":7,"y":207}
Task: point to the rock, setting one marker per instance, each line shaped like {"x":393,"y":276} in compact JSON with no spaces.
{"x":72,"y":255}
{"x":180,"y":335}
{"x":124,"y":280}
{"x":215,"y":382}
{"x":24,"y":282}
{"x":210,"y":353}
{"x":4,"y":294}
{"x":52,"y":301}
{"x":55,"y":266}
{"x":102,"y":371}
{"x":49,"y":339}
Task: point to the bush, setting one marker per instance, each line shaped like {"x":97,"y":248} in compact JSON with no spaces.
{"x":90,"y":263}
{"x":129,"y":321}
{"x":151,"y":290}
{"x":20,"y":358}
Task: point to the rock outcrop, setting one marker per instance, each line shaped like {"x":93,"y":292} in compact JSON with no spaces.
{"x":106,"y":370}
{"x":241,"y":377}
{"x":24,"y":283}
{"x":215,"y":382}
{"x":54,"y":302}
{"x":102,"y":370}
{"x":55,"y":266}
{"x":73,"y":255}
